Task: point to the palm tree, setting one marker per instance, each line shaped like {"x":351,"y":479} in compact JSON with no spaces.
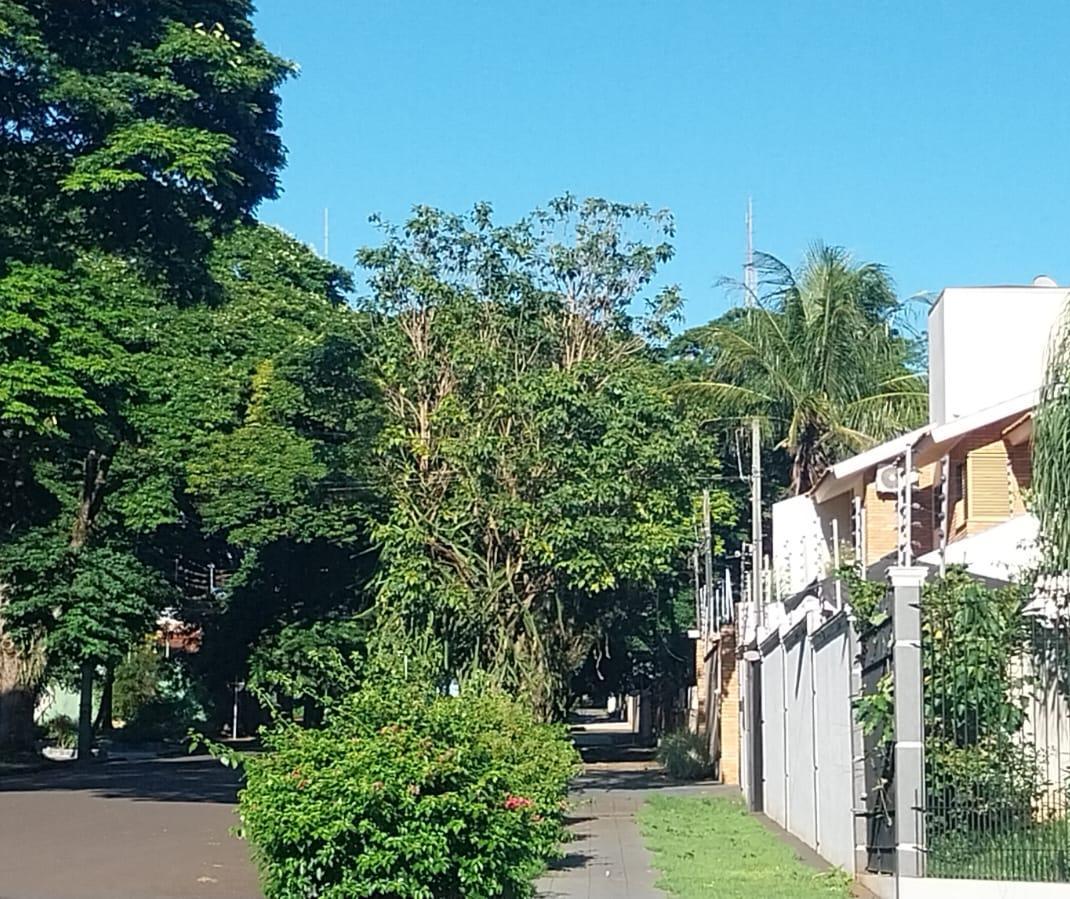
{"x":818,"y":360}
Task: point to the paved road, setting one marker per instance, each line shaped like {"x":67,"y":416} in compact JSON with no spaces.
{"x":606,"y":858}
{"x":159,"y":829}
{"x":123,"y":830}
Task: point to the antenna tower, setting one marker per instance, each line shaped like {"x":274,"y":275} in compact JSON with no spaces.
{"x":750,"y":273}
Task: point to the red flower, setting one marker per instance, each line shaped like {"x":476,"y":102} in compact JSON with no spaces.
{"x":514,"y":802}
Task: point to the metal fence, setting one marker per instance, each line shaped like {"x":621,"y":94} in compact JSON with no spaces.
{"x":997,"y":735}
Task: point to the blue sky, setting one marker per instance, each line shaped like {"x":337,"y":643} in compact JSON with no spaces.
{"x":930,"y":136}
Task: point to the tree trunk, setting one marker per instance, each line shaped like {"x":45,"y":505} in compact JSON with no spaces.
{"x":17,"y":698}
{"x":85,"y":715}
{"x":104,"y":713}
{"x":20,"y":672}
{"x":94,"y":475}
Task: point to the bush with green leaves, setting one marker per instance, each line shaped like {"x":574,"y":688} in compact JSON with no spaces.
{"x":686,"y":756}
{"x":406,"y":793}
{"x":62,"y":731}
{"x":981,"y":775}
{"x":136,"y":680}
{"x":175,"y":706}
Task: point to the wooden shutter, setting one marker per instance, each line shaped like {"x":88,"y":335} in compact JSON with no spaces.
{"x":988,"y":496}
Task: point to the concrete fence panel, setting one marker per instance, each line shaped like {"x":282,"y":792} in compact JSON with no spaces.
{"x":833,"y":723}
{"x":799,"y":721}
{"x":774,"y":761}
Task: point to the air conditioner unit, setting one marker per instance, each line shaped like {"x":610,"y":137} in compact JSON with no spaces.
{"x":888,"y":480}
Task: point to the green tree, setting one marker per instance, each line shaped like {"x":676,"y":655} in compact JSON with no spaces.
{"x":819,"y":360}
{"x":537,"y":464}
{"x":130,"y":136}
{"x":140,"y":128}
{"x":261,"y":432}
{"x":68,"y":368}
{"x":1051,"y":457}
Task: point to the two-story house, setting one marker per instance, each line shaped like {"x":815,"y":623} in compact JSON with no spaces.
{"x":970,"y":463}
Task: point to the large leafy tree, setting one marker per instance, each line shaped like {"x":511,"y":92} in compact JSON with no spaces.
{"x":142,"y":127}
{"x":820,"y":359}
{"x":539,"y":469}
{"x":131,"y":136}
{"x":69,"y":367}
{"x":166,"y":432}
{"x":268,"y":421}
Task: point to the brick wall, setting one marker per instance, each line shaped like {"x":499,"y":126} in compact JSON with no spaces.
{"x":729,"y":708}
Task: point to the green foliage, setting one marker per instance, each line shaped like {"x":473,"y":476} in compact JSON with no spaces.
{"x":136,"y":680}
{"x":1036,"y":853}
{"x":875,"y":711}
{"x":979,"y":775}
{"x":62,"y":731}
{"x":1050,"y":499}
{"x":317,"y":660}
{"x":539,"y":469}
{"x":408,"y":793}
{"x":89,"y":604}
{"x":176,"y":705}
{"x":685,"y":755}
{"x":971,"y":635}
{"x":817,"y":360}
{"x":140,"y":132}
{"x":867,"y":599}
{"x":990,"y":785}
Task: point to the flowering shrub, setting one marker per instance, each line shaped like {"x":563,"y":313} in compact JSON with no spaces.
{"x":408,"y":794}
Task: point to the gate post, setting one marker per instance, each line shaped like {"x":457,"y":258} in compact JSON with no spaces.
{"x":906,"y":583}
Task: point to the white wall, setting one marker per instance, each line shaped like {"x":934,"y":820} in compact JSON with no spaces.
{"x":803,"y":539}
{"x":800,"y":553}
{"x":987,"y":345}
{"x":801,"y":813}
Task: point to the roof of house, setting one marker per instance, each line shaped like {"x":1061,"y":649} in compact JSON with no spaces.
{"x":940,"y":440}
{"x":928,"y":442}
{"x":839,"y":477}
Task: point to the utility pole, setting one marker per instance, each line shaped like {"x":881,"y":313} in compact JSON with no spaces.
{"x":698,"y":588}
{"x":756,"y":516}
{"x":707,"y":550}
{"x":750,"y":289}
{"x":326,"y":233}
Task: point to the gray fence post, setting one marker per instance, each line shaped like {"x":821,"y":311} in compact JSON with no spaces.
{"x":858,"y":756}
{"x":906,"y":583}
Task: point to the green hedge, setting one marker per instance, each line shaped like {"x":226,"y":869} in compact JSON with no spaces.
{"x":409,"y":794}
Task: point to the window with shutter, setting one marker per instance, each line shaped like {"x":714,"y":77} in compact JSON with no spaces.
{"x":988,"y":496}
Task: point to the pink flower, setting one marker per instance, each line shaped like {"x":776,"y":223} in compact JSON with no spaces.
{"x":514,"y":802}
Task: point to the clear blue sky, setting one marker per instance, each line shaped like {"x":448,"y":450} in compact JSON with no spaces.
{"x":930,"y":136}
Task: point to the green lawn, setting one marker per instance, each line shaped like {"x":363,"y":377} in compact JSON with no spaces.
{"x":713,"y":849}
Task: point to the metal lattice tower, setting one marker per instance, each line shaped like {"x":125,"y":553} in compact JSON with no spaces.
{"x":750,"y":273}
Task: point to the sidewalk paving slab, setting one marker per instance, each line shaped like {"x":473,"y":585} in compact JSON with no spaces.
{"x":606,"y":858}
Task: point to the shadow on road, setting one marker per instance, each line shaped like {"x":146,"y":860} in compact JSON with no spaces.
{"x":188,"y":779}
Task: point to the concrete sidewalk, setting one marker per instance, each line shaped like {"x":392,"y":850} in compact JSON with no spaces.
{"x":606,"y":858}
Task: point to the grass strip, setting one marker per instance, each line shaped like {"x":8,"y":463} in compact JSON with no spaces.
{"x":712,"y":848}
